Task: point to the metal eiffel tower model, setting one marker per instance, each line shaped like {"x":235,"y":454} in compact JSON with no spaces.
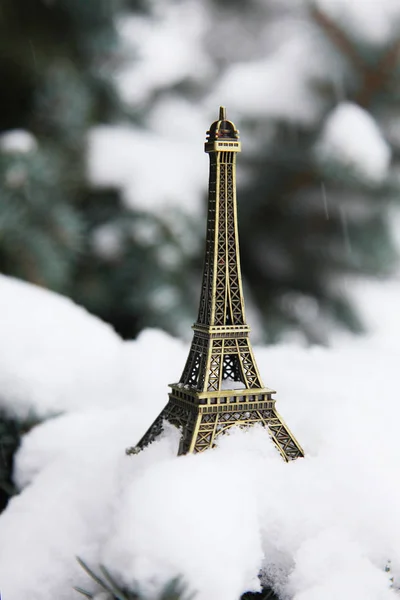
{"x":220,"y":385}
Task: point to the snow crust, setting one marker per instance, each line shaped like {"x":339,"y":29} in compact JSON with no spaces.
{"x":352,"y":138}
{"x":323,"y":525}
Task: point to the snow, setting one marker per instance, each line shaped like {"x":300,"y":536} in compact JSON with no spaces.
{"x":352,"y":138}
{"x":374,"y":22}
{"x":198,"y":534}
{"x":107,"y":241}
{"x":231,"y":384}
{"x":278,"y":85}
{"x":17,"y":141}
{"x":321,"y":525}
{"x":145,"y":165}
{"x":56,"y":356}
{"x":165,"y":51}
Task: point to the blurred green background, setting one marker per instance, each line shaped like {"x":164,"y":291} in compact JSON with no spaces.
{"x":103,"y":111}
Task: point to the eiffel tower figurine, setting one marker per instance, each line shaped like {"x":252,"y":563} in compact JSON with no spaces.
{"x":220,"y":385}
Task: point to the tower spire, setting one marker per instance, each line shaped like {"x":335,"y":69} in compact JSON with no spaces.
{"x":220,"y":385}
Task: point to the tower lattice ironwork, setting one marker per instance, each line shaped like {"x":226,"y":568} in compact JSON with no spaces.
{"x":220,"y":385}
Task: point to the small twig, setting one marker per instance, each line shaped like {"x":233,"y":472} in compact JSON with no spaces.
{"x":374,"y":77}
{"x":380,"y":75}
{"x":338,"y":37}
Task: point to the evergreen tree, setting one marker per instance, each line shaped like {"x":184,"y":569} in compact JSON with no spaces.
{"x":57,"y":63}
{"x":55,"y":72}
{"x":308,"y":220}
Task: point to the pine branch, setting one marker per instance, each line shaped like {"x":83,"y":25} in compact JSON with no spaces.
{"x":174,"y":590}
{"x":374,"y":78}
{"x":338,"y":37}
{"x":381,"y":76}
{"x":93,"y":575}
{"x":114,"y":589}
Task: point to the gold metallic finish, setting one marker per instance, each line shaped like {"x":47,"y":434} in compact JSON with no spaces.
{"x":220,"y":386}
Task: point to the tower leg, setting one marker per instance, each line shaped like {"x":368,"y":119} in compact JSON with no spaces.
{"x":184,"y":417}
{"x":283,"y":439}
{"x":212,"y":425}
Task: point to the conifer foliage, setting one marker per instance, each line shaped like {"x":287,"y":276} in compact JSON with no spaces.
{"x":55,"y":68}
{"x":174,"y":590}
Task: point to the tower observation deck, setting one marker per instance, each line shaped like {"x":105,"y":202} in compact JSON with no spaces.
{"x":220,"y":386}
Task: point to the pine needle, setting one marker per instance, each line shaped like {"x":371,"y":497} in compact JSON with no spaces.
{"x":93,"y":575}
{"x":83,"y":592}
{"x":118,"y":593}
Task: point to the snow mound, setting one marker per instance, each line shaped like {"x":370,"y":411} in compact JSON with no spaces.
{"x":318,"y":527}
{"x":59,"y":358}
{"x":56,"y":356}
{"x":352,"y":138}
